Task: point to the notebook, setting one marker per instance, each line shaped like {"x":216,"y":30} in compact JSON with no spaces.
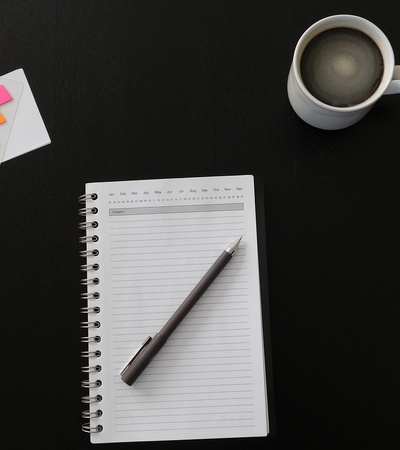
{"x":146,"y":245}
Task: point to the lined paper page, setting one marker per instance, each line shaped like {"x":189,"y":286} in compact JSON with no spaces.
{"x":157,"y":239}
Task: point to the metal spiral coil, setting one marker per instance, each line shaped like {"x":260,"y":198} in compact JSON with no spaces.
{"x":86,"y":211}
{"x":85,"y":197}
{"x":87,"y":253}
{"x":87,"y":281}
{"x":90,"y":296}
{"x":90,"y":339}
{"x":87,"y":267}
{"x":86,"y":225}
{"x":90,"y":310}
{"x":88,"y":399}
{"x":87,"y":414}
{"x":88,"y":429}
{"x":84,"y":239}
{"x":87,"y":384}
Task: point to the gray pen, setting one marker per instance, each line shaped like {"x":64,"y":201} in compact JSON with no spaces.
{"x":151,"y":346}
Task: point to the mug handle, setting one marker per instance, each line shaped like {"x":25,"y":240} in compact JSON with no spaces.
{"x":394,"y":86}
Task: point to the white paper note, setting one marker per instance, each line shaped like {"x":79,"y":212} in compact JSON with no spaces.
{"x":28,"y":130}
{"x":8,"y":110}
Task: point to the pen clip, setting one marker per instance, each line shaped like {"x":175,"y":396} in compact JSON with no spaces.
{"x":141,"y":348}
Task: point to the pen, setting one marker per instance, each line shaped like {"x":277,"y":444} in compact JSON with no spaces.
{"x":151,"y":346}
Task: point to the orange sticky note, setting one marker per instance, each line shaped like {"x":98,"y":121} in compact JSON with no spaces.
{"x":2,"y":118}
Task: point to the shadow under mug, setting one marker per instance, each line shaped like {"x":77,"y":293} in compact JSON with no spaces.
{"x":325,"y":116}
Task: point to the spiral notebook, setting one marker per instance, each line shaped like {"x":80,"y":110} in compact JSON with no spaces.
{"x":147,"y":244}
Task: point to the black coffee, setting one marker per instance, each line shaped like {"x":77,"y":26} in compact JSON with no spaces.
{"x":342,"y":67}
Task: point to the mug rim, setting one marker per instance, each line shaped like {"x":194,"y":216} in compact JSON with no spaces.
{"x":347,"y":21}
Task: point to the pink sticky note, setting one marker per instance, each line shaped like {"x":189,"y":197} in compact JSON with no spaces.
{"x":4,"y":95}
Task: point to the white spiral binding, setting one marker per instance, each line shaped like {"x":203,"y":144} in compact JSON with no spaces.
{"x":90,"y":310}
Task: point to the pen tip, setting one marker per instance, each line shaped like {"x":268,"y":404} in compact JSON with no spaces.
{"x":232,"y":248}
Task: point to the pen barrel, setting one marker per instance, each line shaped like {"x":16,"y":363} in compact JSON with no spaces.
{"x":142,"y":359}
{"x":195,"y":295}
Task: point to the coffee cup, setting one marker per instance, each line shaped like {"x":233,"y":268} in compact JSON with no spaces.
{"x":341,"y":66}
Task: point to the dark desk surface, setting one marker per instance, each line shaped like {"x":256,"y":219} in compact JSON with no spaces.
{"x":153,"y":89}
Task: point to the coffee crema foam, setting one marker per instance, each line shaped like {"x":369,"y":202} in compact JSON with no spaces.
{"x":342,"y":67}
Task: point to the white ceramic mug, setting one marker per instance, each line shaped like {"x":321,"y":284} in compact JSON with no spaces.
{"x":323,"y":115}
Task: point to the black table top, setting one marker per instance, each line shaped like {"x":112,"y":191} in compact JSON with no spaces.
{"x":156,"y":89}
